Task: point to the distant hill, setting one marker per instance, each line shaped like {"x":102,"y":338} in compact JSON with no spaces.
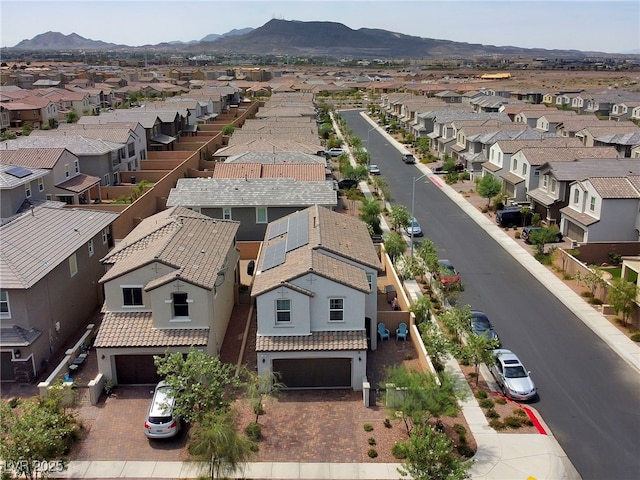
{"x":296,"y":38}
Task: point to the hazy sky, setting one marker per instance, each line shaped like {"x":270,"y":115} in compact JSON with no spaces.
{"x":603,"y":25}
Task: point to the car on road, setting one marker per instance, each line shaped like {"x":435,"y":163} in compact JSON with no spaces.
{"x":448,"y":275}
{"x":481,"y":325}
{"x":513,"y":379}
{"x":408,"y":158}
{"x":374,"y":169}
{"x":334,"y":152}
{"x":527,"y":231}
{"x":161,"y":421}
{"x":414,"y":228}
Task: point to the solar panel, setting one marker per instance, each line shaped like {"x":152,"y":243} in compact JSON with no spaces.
{"x":277,"y":228}
{"x":298,"y":232}
{"x":19,"y":172}
{"x":274,"y":255}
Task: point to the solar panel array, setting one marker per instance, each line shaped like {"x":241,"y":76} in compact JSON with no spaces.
{"x":298,"y":231}
{"x":274,"y":255}
{"x":18,"y":172}
{"x":277,"y":228}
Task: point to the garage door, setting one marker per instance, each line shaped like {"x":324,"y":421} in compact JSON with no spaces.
{"x":6,"y":366}
{"x":574,"y":232}
{"x":136,"y":370}
{"x":314,"y":372}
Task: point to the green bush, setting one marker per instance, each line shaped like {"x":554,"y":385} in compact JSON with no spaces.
{"x":491,"y":413}
{"x":254,"y":431}
{"x":517,"y":235}
{"x":519,"y":412}
{"x":373,"y":453}
{"x":466,"y":451}
{"x":399,"y":450}
{"x":462,"y":439}
{"x":501,"y":401}
{"x":527,"y":421}
{"x":481,"y":394}
{"x":387,"y":423}
{"x":459,"y":429}
{"x":372,"y":441}
{"x":368,"y":427}
{"x":635,"y":337}
{"x":513,"y":422}
{"x":595,"y":301}
{"x":496,"y":424}
{"x":486,"y":403}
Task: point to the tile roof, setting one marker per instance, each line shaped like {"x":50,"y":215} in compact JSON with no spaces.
{"x":614,"y":187}
{"x":17,"y":336}
{"x":270,"y":145}
{"x":579,"y":217}
{"x":317,"y":341}
{"x":79,"y":183}
{"x":583,"y":168}
{"x":135,"y":329}
{"x":512,"y":146}
{"x":35,"y":243}
{"x":276,"y":157}
{"x":540,"y":156}
{"x":32,"y":157}
{"x":9,"y":181}
{"x":261,"y":192}
{"x":76,"y":144}
{"x":195,"y":245}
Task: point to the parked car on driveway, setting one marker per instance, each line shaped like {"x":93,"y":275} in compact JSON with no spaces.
{"x":448,"y":275}
{"x":512,"y":378}
{"x":161,"y":421}
{"x":334,"y":152}
{"x":414,"y":228}
{"x":527,"y":231}
{"x":481,"y":325}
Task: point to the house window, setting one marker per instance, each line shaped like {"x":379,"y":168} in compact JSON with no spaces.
{"x":90,"y":247}
{"x":73,"y":265}
{"x":515,"y":164}
{"x":524,"y":169}
{"x":105,"y":236}
{"x":76,"y":166}
{"x":370,"y":280}
{"x":106,"y":180}
{"x":226,"y":214}
{"x":66,"y":170}
{"x":283,"y":310}
{"x":336,"y":309}
{"x":180,"y":304}
{"x":40,"y":185}
{"x":545,"y":181}
{"x":576,"y":196}
{"x":27,"y":190}
{"x":132,"y":296}
{"x":5,"y":311}
{"x":553,"y":185}
{"x":592,"y":204}
{"x":261,"y":215}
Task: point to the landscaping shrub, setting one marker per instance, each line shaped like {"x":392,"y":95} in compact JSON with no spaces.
{"x":254,"y":431}
{"x":373,"y":453}
{"x":527,"y":421}
{"x":462,"y":439}
{"x":635,"y":337}
{"x":387,"y":423}
{"x":368,"y":427}
{"x":486,"y":403}
{"x":501,"y":401}
{"x":480,"y":394}
{"x":372,"y":441}
{"x":595,"y":301}
{"x":491,"y":413}
{"x":519,"y":412}
{"x":517,"y":235}
{"x":459,"y":429}
{"x":513,"y":422}
{"x":496,"y":424}
{"x":586,"y":294}
{"x":466,"y":451}
{"x":399,"y":450}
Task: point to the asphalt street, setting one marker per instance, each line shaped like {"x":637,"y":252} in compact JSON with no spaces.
{"x":588,"y":396}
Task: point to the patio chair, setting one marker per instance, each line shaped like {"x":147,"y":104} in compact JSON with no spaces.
{"x":383,"y":332}
{"x":402,"y":331}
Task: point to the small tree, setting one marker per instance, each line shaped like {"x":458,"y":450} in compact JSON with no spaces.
{"x":72,"y":117}
{"x":395,"y":245}
{"x":457,"y":321}
{"x":541,"y":237}
{"x":430,"y":457}
{"x":593,"y":279}
{"x":488,"y":187}
{"x":202,"y":383}
{"x":228,"y":130}
{"x":216,"y":440}
{"x":421,"y":396}
{"x":421,"y":308}
{"x":436,"y":343}
{"x":622,"y":296}
{"x":261,"y":386}
{"x":478,"y":349}
{"x":428,"y":252}
{"x":370,"y":214}
{"x":399,"y":216}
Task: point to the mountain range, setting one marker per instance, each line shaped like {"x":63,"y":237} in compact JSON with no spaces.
{"x":296,"y":38}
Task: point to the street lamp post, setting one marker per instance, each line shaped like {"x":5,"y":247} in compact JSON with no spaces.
{"x":368,"y":149}
{"x":413,"y":206}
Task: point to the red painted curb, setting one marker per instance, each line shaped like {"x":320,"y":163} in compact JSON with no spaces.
{"x":529,"y":412}
{"x":436,"y":181}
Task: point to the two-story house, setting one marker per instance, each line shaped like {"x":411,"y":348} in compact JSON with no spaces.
{"x":603,"y":209}
{"x":169,"y":286}
{"x":315,"y":292}
{"x":50,"y":263}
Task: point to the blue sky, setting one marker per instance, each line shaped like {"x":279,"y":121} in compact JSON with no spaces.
{"x":604,"y":25}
